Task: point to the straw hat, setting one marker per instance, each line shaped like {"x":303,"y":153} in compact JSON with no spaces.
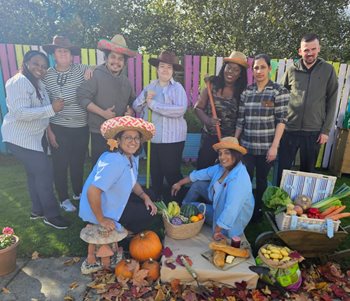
{"x":167,"y":57}
{"x":117,"y":44}
{"x":96,"y":234}
{"x":113,"y":126}
{"x":237,"y":57}
{"x":230,"y":143}
{"x":61,"y":42}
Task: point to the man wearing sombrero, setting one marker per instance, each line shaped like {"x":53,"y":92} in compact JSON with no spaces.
{"x":108,"y":93}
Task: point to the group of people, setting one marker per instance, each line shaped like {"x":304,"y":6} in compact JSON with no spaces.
{"x":245,"y":128}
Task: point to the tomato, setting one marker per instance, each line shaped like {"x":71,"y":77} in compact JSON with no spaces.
{"x":200,"y":216}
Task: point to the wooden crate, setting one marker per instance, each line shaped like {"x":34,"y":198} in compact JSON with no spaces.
{"x":340,"y":161}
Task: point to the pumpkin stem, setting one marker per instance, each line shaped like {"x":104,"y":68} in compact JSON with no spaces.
{"x":150,"y":260}
{"x":142,"y":234}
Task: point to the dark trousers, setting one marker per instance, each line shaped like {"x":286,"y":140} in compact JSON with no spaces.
{"x":70,"y":154}
{"x":39,"y":172}
{"x":98,"y":147}
{"x":207,"y":155}
{"x":166,"y":161}
{"x":262,"y":168}
{"x":289,"y":145}
{"x":136,"y":217}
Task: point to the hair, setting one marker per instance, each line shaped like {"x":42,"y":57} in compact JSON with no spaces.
{"x":309,"y":37}
{"x":25,"y":71}
{"x":119,"y":136}
{"x":240,"y":84}
{"x":263,"y":56}
{"x":236,"y":155}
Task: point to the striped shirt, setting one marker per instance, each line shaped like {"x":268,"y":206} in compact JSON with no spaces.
{"x":28,"y":117}
{"x":259,"y":113}
{"x":167,"y":111}
{"x":64,"y":85}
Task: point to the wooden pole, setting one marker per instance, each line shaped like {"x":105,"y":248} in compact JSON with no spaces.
{"x":213,"y":110}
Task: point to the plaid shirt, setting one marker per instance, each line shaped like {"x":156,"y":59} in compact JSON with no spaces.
{"x":259,"y":113}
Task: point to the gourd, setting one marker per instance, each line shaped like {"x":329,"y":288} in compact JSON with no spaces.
{"x":145,"y":245}
{"x":153,"y":269}
{"x":189,"y":210}
{"x":122,"y":268}
{"x":176,"y":221}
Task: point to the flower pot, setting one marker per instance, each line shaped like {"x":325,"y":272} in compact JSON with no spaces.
{"x":8,"y":258}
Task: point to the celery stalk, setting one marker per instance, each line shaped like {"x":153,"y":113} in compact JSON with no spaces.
{"x":342,"y":192}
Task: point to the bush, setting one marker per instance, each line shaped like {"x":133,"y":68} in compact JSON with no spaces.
{"x":193,"y":123}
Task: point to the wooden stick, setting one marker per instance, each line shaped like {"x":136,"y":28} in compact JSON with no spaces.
{"x":213,"y":109}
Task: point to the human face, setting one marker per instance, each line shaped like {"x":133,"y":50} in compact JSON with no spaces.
{"x":130,"y":142}
{"x":309,"y":52}
{"x":225,"y":158}
{"x":115,"y":62}
{"x":63,"y":58}
{"x":37,"y":66}
{"x":232,"y":72}
{"x":261,"y":71}
{"x":165,"y":72}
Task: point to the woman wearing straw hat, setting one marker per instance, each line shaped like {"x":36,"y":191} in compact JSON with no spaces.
{"x":167,"y":100}
{"x":111,"y":196}
{"x":226,"y":188}
{"x":108,"y":93}
{"x":226,"y":89}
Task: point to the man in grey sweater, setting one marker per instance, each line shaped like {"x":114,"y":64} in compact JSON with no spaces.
{"x":108,"y":93}
{"x":313,"y":87}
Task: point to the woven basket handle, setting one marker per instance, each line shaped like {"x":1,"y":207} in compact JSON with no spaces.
{"x":204,"y":208}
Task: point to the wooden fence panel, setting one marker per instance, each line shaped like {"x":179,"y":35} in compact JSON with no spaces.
{"x":219,"y":63}
{"x":195,"y":85}
{"x":138,"y":74}
{"x":188,"y":77}
{"x":11,"y":56}
{"x":131,"y":71}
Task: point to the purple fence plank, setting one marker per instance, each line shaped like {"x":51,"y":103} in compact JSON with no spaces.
{"x":138,"y":86}
{"x":188,"y":77}
{"x":131,"y":71}
{"x":195,"y":86}
{"x":76,"y":59}
{"x":12,"y":59}
{"x":4,"y":63}
{"x":250,"y":71}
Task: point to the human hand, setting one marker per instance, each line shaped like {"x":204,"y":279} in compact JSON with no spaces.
{"x":52,"y":138}
{"x":107,"y":223}
{"x":322,"y":139}
{"x":129,"y":111}
{"x":88,"y":73}
{"x":57,"y":105}
{"x":150,"y":205}
{"x":271,"y":154}
{"x":211,"y":123}
{"x":175,"y":189}
{"x":149,"y":96}
{"x":109,"y":113}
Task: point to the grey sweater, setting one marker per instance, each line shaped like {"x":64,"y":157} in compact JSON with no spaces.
{"x":105,"y":90}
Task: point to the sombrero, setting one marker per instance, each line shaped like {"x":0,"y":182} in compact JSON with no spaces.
{"x":117,"y":44}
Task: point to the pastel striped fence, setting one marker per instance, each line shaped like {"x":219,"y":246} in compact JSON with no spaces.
{"x":140,"y":74}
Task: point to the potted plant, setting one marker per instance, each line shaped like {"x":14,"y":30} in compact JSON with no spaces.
{"x":8,"y":250}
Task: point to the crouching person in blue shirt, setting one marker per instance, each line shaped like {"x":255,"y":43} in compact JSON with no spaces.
{"x":112,"y":201}
{"x":227,"y":189}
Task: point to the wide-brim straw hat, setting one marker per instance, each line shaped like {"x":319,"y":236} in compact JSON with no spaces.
{"x":167,"y":57}
{"x":237,"y":57}
{"x":230,"y":143}
{"x":96,"y":234}
{"x":61,"y":42}
{"x":113,"y":126}
{"x":117,"y":44}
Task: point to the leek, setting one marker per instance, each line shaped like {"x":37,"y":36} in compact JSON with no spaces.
{"x":342,"y":192}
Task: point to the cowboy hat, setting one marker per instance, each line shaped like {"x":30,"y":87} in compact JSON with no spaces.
{"x":237,"y":58}
{"x":113,"y":126}
{"x":167,"y":57}
{"x":230,"y":143}
{"x":117,"y":44}
{"x":61,"y":42}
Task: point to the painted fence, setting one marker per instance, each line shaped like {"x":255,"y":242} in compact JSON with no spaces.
{"x":140,"y":74}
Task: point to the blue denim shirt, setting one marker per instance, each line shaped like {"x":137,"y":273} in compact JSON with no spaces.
{"x":112,"y":175}
{"x":233,"y":204}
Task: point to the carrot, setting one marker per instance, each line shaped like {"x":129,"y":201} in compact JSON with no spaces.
{"x":340,"y":215}
{"x":328,"y":211}
{"x":335,"y":212}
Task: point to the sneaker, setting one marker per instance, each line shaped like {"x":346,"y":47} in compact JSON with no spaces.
{"x":68,"y":206}
{"x":57,"y":222}
{"x":34,"y":216}
{"x":76,"y":197}
{"x":88,"y":268}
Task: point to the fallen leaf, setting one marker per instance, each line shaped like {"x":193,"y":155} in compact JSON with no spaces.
{"x":160,"y":295}
{"x":74,"y":285}
{"x":175,"y":286}
{"x":231,"y":298}
{"x":5,"y":290}
{"x":258,"y":296}
{"x":167,"y":252}
{"x":68,"y":298}
{"x":189,"y":295}
{"x":138,"y":279}
{"x":170,"y":263}
{"x":35,"y":255}
{"x":266,"y":290}
{"x":69,"y":262}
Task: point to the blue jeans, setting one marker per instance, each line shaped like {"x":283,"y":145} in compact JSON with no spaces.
{"x":38,"y":167}
{"x":199,"y":189}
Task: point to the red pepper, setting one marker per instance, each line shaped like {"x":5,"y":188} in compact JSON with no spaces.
{"x":313,"y":213}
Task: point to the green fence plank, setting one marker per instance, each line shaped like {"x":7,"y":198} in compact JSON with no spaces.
{"x":211,"y":69}
{"x":19,"y":54}
{"x":204,"y":70}
{"x":146,"y":70}
{"x":92,"y":57}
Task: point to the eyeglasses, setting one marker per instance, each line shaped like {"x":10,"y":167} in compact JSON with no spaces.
{"x":130,"y":139}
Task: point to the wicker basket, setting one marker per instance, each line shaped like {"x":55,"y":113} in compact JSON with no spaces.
{"x":186,"y":230}
{"x":281,"y":264}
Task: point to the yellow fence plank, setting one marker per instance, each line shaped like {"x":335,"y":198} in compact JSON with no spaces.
{"x":19,"y":54}
{"x":203,"y":70}
{"x":153,"y":69}
{"x":84,"y":56}
{"x":92,"y":57}
{"x":211,"y":69}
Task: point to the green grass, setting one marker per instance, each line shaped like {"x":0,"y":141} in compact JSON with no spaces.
{"x":15,"y":208}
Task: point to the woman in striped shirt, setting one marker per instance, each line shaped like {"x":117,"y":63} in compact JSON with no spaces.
{"x":23,"y":129}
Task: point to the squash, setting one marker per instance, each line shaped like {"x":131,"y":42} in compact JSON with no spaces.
{"x":124,"y":268}
{"x":145,"y":245}
{"x":189,"y":210}
{"x":153,"y":269}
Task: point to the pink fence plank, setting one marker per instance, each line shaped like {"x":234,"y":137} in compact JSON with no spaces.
{"x":12,"y":59}
{"x":131,"y":71}
{"x":138,"y":85}
{"x":195,"y":86}
{"x":250,"y":71}
{"x":4,"y":63}
{"x":76,"y":59}
{"x":188,"y":77}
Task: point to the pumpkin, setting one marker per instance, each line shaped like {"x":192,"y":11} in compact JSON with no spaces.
{"x":189,"y":210}
{"x":125,"y":268}
{"x":145,"y":245}
{"x":153,"y":269}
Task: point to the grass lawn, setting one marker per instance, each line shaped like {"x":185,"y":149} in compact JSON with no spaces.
{"x":36,"y":236}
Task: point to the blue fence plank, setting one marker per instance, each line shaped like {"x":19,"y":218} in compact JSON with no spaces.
{"x":3,"y":109}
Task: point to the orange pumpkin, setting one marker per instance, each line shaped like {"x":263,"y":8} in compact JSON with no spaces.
{"x":153,"y":269}
{"x":145,"y":245}
{"x":122,"y":269}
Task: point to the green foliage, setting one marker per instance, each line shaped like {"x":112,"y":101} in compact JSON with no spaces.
{"x":193,"y":123}
{"x":275,"y":197}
